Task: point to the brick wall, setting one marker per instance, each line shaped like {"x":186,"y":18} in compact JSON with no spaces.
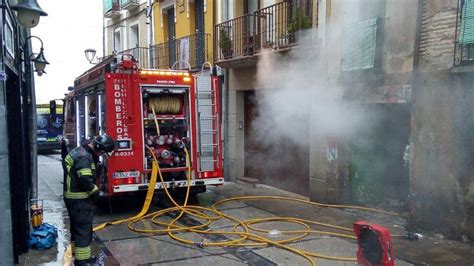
{"x":437,"y":34}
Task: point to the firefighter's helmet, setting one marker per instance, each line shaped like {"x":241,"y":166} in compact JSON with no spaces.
{"x":104,"y":143}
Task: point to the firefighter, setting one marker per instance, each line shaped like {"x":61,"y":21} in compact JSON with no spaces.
{"x":80,"y":192}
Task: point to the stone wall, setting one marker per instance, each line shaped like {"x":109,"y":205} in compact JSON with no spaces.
{"x":240,"y":80}
{"x":435,"y":187}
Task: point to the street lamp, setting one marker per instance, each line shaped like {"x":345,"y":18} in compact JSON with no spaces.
{"x":28,"y":13}
{"x":90,"y":54}
{"x":39,"y":61}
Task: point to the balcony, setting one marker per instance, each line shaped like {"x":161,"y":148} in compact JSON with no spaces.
{"x":235,"y":38}
{"x":139,"y":54}
{"x":129,"y":4}
{"x":464,"y":45}
{"x":194,"y":49}
{"x":275,"y":27}
{"x":111,"y":8}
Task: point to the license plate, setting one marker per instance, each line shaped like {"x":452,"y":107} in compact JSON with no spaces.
{"x":126,"y":174}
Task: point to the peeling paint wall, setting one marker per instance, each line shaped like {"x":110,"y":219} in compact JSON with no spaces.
{"x":389,"y":82}
{"x":434,"y":179}
{"x":442,"y":164}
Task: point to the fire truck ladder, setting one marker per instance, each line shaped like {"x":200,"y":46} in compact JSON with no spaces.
{"x":208,"y":120}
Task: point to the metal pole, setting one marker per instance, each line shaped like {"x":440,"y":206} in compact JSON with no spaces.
{"x":33,"y":134}
{"x":225,"y":96}
{"x":6,"y":236}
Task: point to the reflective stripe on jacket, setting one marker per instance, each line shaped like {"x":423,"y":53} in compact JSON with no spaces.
{"x":79,"y":166}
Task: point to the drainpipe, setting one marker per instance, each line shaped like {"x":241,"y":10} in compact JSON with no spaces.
{"x":414,"y":81}
{"x":103,"y":33}
{"x":225,"y":96}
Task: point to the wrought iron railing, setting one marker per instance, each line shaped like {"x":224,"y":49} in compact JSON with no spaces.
{"x":139,"y":54}
{"x":234,"y":38}
{"x":274,"y":27}
{"x":464,"y":54}
{"x":464,"y":34}
{"x":278,"y":25}
{"x":193,"y":48}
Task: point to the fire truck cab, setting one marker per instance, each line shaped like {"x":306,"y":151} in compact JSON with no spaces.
{"x":171,"y":112}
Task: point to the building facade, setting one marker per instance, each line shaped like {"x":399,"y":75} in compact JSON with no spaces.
{"x":441,"y":172}
{"x":160,"y":33}
{"x":375,"y":109}
{"x":126,"y":29}
{"x":18,"y":182}
{"x":182,"y":31}
{"x":369,"y":53}
{"x":249,"y":35}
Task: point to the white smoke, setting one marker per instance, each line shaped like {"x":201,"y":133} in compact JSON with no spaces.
{"x":294,"y":96}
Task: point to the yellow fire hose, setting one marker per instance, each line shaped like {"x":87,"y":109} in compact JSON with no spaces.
{"x":242,"y":230}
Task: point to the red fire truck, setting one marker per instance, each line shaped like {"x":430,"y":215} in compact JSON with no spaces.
{"x":166,"y":110}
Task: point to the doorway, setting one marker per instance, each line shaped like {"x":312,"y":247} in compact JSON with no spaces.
{"x":281,"y":163}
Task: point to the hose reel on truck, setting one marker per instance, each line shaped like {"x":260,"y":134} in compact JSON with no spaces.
{"x":124,"y":99}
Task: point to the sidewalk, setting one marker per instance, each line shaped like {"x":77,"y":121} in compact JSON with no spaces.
{"x":50,"y":189}
{"x":430,"y":250}
{"x":117,"y":244}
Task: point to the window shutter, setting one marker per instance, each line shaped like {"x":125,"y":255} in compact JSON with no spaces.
{"x":107,"y":5}
{"x":358,"y":45}
{"x":466,"y":35}
{"x":199,"y":22}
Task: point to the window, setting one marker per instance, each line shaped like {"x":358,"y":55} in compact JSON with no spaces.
{"x":9,"y":38}
{"x":117,"y":41}
{"x":133,"y":39}
{"x":358,"y":45}
{"x":464,"y":50}
{"x":466,"y":34}
{"x":111,"y":5}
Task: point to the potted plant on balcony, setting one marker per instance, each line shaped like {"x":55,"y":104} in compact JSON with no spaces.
{"x":225,"y":43}
{"x":298,"y":22}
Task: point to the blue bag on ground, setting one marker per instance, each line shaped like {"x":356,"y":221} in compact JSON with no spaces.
{"x":43,"y":237}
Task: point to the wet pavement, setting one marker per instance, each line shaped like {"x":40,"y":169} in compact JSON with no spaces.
{"x":50,"y":189}
{"x":118,"y":245}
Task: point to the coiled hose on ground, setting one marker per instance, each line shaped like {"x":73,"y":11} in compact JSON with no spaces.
{"x":244,"y":233}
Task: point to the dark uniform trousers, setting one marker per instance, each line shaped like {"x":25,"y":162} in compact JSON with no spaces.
{"x":79,"y":176}
{"x":80,"y":213}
